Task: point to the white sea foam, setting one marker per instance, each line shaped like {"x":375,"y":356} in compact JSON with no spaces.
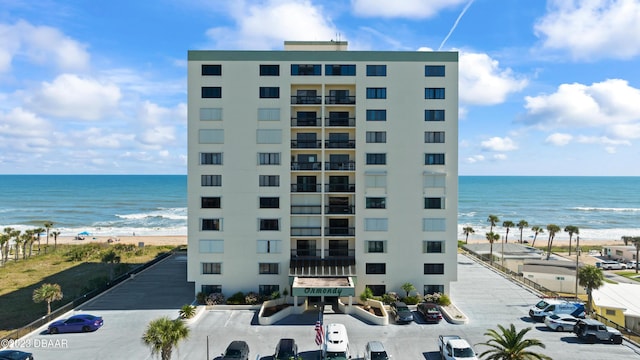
{"x":606,"y":209}
{"x":165,"y":213}
{"x":614,"y":234}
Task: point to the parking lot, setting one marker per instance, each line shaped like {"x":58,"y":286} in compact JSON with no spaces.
{"x":486,"y":297}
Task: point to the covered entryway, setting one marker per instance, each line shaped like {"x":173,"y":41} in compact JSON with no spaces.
{"x":329,"y":289}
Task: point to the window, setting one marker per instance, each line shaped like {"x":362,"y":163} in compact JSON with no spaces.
{"x":434,"y":137}
{"x":376,"y":136}
{"x":210,"y":158}
{"x":306,"y":70}
{"x":270,"y":136}
{"x":376,"y":203}
{"x":211,"y":246}
{"x":376,"y":159}
{"x":376,"y":115}
{"x":340,"y":70}
{"x":432,"y":247}
{"x":434,"y":203}
{"x":433,"y":269}
{"x":434,"y":70}
{"x":269,"y":246}
{"x":268,"y":158}
{"x":376,"y":93}
{"x":269,"y":70}
{"x":269,"y":224}
{"x":434,"y":224}
{"x":212,"y":268}
{"x":269,"y":92}
{"x":210,"y":114}
{"x":610,"y":312}
{"x":432,"y":289}
{"x":434,"y":93}
{"x":434,"y":115}
{"x":211,"y":289}
{"x":269,"y":202}
{"x":268,"y":268}
{"x":211,"y":92}
{"x":211,"y":180}
{"x":210,"y":202}
{"x":268,"y":290}
{"x":211,"y":70}
{"x":269,"y":180}
{"x":435,"y":180}
{"x":376,"y":180}
{"x":375,"y":224}
{"x":375,"y":246}
{"x":211,"y":136}
{"x":434,"y":159}
{"x":266,"y":114}
{"x":560,"y":278}
{"x":210,"y":224}
{"x":376,"y":70}
{"x":376,"y":268}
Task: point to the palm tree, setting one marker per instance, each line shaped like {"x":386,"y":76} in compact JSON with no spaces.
{"x":626,"y":239}
{"x":163,"y":334}
{"x":511,"y":345}
{"x":521,"y":225}
{"x":36,"y":233}
{"x":55,"y":235}
{"x":571,"y":230}
{"x":536,"y":230}
{"x":552,"y":229}
{"x":591,"y":278}
{"x":408,"y":287}
{"x":4,"y":243}
{"x":636,"y":242}
{"x":493,"y":220}
{"x":507,"y":224}
{"x":48,"y":293}
{"x":48,"y":225}
{"x":492,"y":238}
{"x":467,"y":230}
{"x":111,"y":258}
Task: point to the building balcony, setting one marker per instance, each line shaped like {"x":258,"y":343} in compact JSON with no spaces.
{"x":340,"y":165}
{"x":307,"y":100}
{"x":306,"y":209}
{"x":339,"y":209}
{"x":340,"y":188}
{"x":299,"y":122}
{"x":339,"y":231}
{"x":306,"y":144}
{"x":307,"y":188}
{"x":340,"y":100}
{"x":306,"y":231}
{"x":333,"y":144}
{"x":313,"y":166}
{"x":340,"y":121}
{"x":311,"y":258}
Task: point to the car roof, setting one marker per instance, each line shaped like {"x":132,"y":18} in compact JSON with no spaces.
{"x":237,"y":344}
{"x":286,"y":343}
{"x":591,"y":322}
{"x":399,"y":303}
{"x":375,"y":346}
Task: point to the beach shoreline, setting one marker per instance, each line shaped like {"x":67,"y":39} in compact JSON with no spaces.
{"x":156,"y":240}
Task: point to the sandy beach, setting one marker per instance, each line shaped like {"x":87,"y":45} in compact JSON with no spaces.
{"x":173,"y":240}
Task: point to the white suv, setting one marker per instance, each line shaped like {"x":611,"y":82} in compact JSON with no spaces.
{"x":613,"y":265}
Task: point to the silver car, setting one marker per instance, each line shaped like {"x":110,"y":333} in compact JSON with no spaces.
{"x":375,"y":351}
{"x":563,"y":322}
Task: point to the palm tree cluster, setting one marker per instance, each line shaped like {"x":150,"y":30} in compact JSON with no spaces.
{"x":23,"y":241}
{"x":509,"y":344}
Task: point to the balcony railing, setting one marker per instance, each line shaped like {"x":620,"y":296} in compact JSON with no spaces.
{"x":339,"y":231}
{"x":340,"y":187}
{"x":340,"y":100}
{"x":306,"y":188}
{"x":306,"y":209}
{"x":296,"y":165}
{"x":329,"y":121}
{"x":306,"y":99}
{"x":306,"y":253}
{"x":306,"y":231}
{"x":305,"y":263}
{"x":306,"y":144}
{"x":306,"y":122}
{"x":340,"y":165}
{"x":342,"y":144}
{"x":328,"y":253}
{"x":339,"y":209}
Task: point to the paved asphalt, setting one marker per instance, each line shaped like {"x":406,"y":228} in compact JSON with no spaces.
{"x":486,"y":297}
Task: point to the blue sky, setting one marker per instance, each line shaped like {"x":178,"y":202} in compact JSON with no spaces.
{"x":99,"y":87}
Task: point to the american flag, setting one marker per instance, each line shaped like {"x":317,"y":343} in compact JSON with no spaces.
{"x":319,"y":332}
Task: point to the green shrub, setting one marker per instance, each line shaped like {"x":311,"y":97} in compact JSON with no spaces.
{"x":444,"y":300}
{"x":187,"y":311}
{"x":366,"y":294}
{"x":215,"y":299}
{"x":275,"y":295}
{"x":412,"y":300}
{"x":201,"y":298}
{"x":236,"y":299}
{"x":389,"y":298}
{"x":251,"y":298}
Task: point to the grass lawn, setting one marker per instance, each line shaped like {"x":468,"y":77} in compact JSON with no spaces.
{"x":78,"y":269}
{"x":629,"y":274}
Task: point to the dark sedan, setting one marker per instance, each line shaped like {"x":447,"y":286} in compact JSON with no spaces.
{"x":430,"y":312}
{"x":15,"y":355}
{"x":76,"y":323}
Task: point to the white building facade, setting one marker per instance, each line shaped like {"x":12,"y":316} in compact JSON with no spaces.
{"x":319,"y":163}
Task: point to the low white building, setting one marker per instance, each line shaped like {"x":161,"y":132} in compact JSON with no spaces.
{"x":620,"y":253}
{"x":619,"y":303}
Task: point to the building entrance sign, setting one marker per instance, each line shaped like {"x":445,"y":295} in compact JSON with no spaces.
{"x":332,"y":287}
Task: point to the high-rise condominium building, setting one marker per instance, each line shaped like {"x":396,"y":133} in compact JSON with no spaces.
{"x":322,"y":171}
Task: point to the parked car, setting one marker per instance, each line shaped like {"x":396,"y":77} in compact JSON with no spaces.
{"x":591,"y":331}
{"x":547,"y":307}
{"x":15,"y":355}
{"x":286,"y":350}
{"x":632,"y":264}
{"x":430,"y":312}
{"x":374,"y":350}
{"x":237,"y":349}
{"x":561,"y":322}
{"x":612,"y":265}
{"x":76,"y":323}
{"x":401,"y":312}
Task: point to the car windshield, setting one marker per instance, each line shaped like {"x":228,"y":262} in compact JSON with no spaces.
{"x":463,"y":353}
{"x":285,"y":355}
{"x":232,"y":353}
{"x":554,"y":317}
{"x":403,"y":309}
{"x":336,"y":355}
{"x":379,"y":355}
{"x":542,"y":304}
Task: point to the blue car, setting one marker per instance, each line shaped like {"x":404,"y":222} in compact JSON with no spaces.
{"x":76,"y":323}
{"x":15,"y":355}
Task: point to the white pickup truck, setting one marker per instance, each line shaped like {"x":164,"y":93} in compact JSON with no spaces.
{"x":453,"y":347}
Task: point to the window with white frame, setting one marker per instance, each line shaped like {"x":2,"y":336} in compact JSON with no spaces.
{"x":211,"y":246}
{"x":269,"y":246}
{"x":269,"y":180}
{"x":269,"y":136}
{"x":434,"y":203}
{"x":210,"y":224}
{"x":268,"y":268}
{"x":434,"y":137}
{"x":268,"y":158}
{"x":434,"y":224}
{"x":433,"y":269}
{"x":376,"y":136}
{"x":269,"y":114}
{"x":376,"y":180}
{"x":211,"y":136}
{"x":211,"y":180}
{"x":210,"y":114}
{"x":435,"y":180}
{"x":433,"y":246}
{"x":375,"y":246}
{"x":211,"y":268}
{"x":210,"y":158}
{"x":269,"y":224}
{"x":376,"y":224}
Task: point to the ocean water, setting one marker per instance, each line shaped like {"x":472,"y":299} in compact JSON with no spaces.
{"x":104,"y":205}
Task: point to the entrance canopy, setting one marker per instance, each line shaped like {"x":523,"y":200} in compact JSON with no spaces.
{"x":323,"y":286}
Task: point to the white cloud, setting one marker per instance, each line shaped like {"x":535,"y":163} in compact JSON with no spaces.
{"x":483,"y":82}
{"x":611,"y":105}
{"x":159,"y":123}
{"x":601,"y":140}
{"x":75,"y":97}
{"x":267,"y":25}
{"x":559,"y":139}
{"x":41,"y":45}
{"x":592,"y":29}
{"x":21,"y":123}
{"x":475,"y":158}
{"x":499,"y":144}
{"x":500,"y":157}
{"x":414,"y":9}
{"x":610,"y":149}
